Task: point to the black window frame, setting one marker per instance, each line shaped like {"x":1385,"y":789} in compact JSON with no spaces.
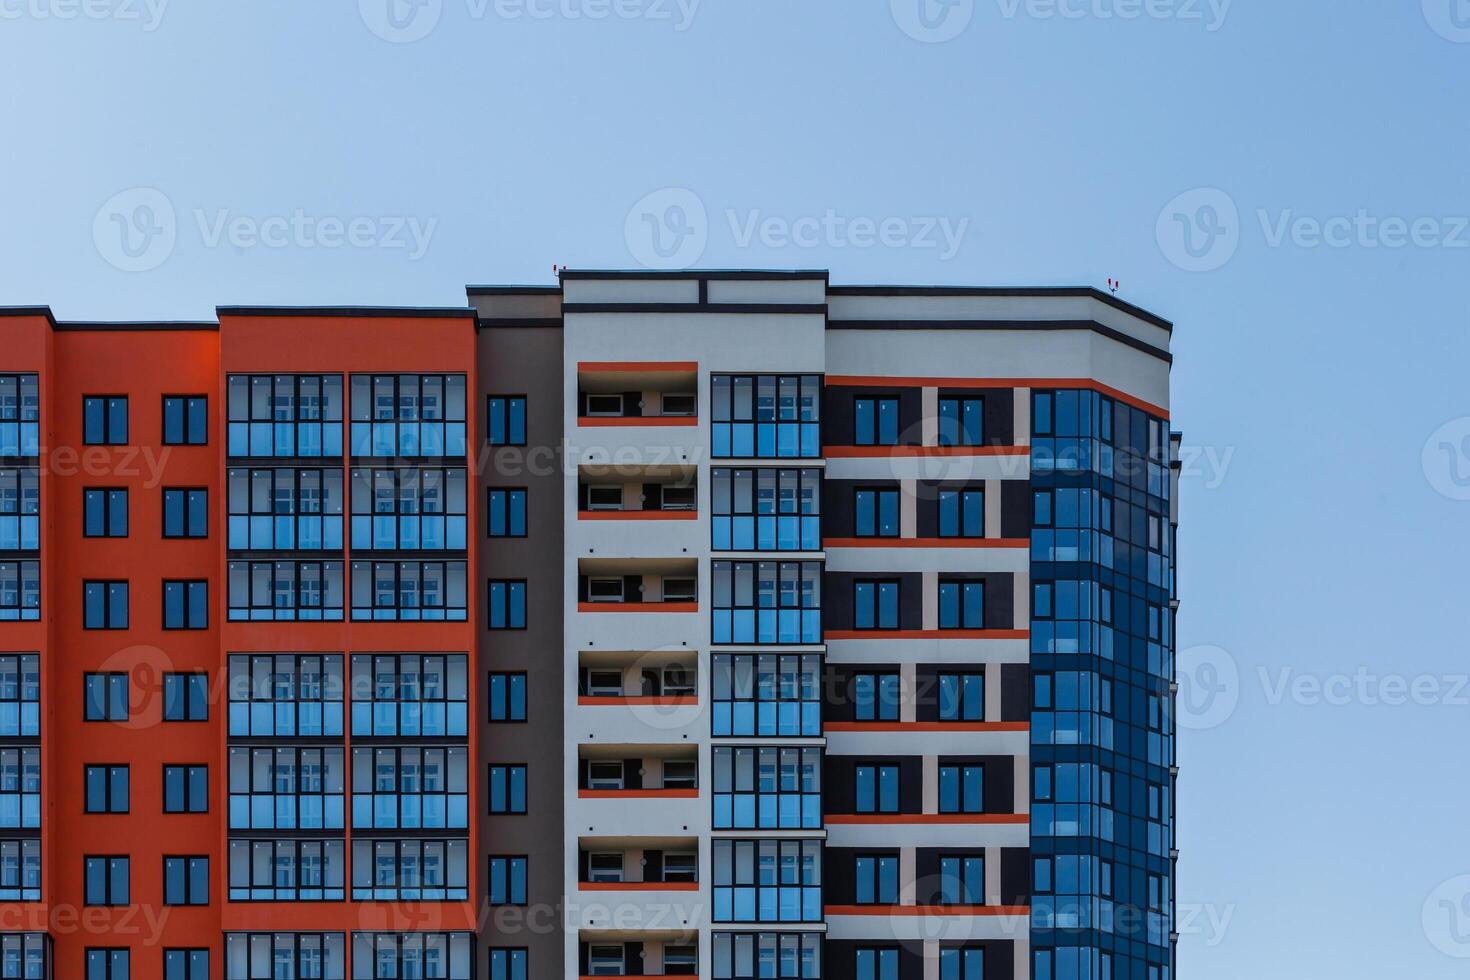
{"x":187,"y":954}
{"x":185,"y":404}
{"x":877,"y":402}
{"x":112,"y":862}
{"x":879,"y":493}
{"x":961,"y":493}
{"x":506,"y":402}
{"x":965,"y":437}
{"x":106,"y":403}
{"x":190,"y":862}
{"x":187,"y":586}
{"x":879,"y":858}
{"x":509,"y":677}
{"x":507,"y":769}
{"x":877,"y":585}
{"x":109,"y":805}
{"x":509,"y":494}
{"x":187,"y":773}
{"x":111,"y":954}
{"x":107,"y":679}
{"x":109,"y":585}
{"x":508,"y":862}
{"x":189,"y":504}
{"x":508,"y":606}
{"x":109,"y":497}
{"x":189,"y":678}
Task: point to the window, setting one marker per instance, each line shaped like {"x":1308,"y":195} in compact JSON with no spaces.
{"x":961,"y":605}
{"x":105,"y":697}
{"x":876,"y":963}
{"x":961,"y":789}
{"x":506,"y":515}
{"x":876,"y":421}
{"x":680,"y":774}
{"x":20,"y":414}
{"x":426,"y":955}
{"x":285,"y":415}
{"x":107,"y":964}
{"x":876,"y":513}
{"x":605,"y":867}
{"x":876,"y":696}
{"x":1041,"y":501}
{"x":681,"y":866}
{"x":411,"y":509}
{"x":959,"y":963}
{"x":961,"y":697}
{"x":20,"y":507}
{"x":409,"y":591}
{"x":295,"y":508}
{"x":186,"y":964}
{"x":507,"y":881}
{"x":759,"y":956}
{"x":961,"y":421}
{"x":20,"y":695}
{"x":507,"y":789}
{"x":604,"y":497}
{"x":605,"y":590}
{"x":286,"y":788}
{"x":764,"y":602}
{"x":106,"y":880}
{"x":185,"y":513}
{"x":962,"y":513}
{"x":20,"y":590}
{"x":767,"y":880}
{"x":185,"y":420}
{"x":876,"y":788}
{"x":294,"y":590}
{"x":962,"y":879}
{"x":508,"y":964}
{"x":185,"y":605}
{"x":105,"y":420}
{"x":185,"y":697}
{"x":605,"y":961}
{"x":766,"y":694}
{"x":875,"y":604}
{"x":185,"y":789}
{"x":876,"y":878}
{"x":186,"y":881}
{"x":107,"y":789}
{"x":767,"y":787}
{"x":410,"y":694}
{"x":507,"y":697}
{"x":681,"y":961}
{"x":286,"y":694}
{"x":508,"y":604}
{"x":286,"y":955}
{"x":605,"y":774}
{"x":408,"y":415}
{"x":275,"y":870}
{"x":766,"y":416}
{"x":104,"y":513}
{"x":411,"y":787}
{"x":20,"y":877}
{"x":410,"y":870}
{"x":105,"y":605}
{"x":20,"y":787}
{"x":680,"y":589}
{"x":507,"y":420}
{"x":765,"y":509}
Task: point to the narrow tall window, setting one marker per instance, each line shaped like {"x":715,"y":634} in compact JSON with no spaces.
{"x":105,"y":605}
{"x":507,"y":420}
{"x":185,"y":420}
{"x":185,"y":605}
{"x":104,"y":513}
{"x":105,"y":420}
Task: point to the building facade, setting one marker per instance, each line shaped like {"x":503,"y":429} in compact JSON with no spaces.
{"x":719,"y":624}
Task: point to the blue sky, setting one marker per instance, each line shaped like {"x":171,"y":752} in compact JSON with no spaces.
{"x":1285,"y":180}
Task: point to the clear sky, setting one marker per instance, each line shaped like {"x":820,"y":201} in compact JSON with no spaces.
{"x":1285,"y":179}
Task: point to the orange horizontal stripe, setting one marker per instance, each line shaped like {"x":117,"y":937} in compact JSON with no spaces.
{"x":926,"y":818}
{"x":926,"y":452}
{"x":638,"y":886}
{"x":593,"y":421}
{"x":637,"y":515}
{"x":638,"y":794}
{"x":927,"y":634}
{"x":860,"y":381}
{"x":928,"y":726}
{"x":926,"y":543}
{"x":891,"y":910}
{"x":637,"y":699}
{"x":682,"y":367}
{"x":638,"y":607}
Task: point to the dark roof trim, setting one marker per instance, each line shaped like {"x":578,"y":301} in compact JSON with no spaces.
{"x":349,"y":311}
{"x":1092,"y":325}
{"x":819,"y":309}
{"x":727,"y":274}
{"x":523,"y":322}
{"x":512,"y":290}
{"x":29,"y":311}
{"x":201,"y":325}
{"x":1086,"y":291}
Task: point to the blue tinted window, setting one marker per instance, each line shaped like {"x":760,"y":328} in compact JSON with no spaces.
{"x":507,"y":697}
{"x":507,"y":789}
{"x":962,"y":789}
{"x":507,"y":881}
{"x":507,"y":420}
{"x":962,"y":605}
{"x":508,"y":605}
{"x":875,"y":605}
{"x":508,"y":964}
{"x":185,"y":420}
{"x":105,"y":420}
{"x":105,"y":605}
{"x":506,"y":514}
{"x":105,"y":513}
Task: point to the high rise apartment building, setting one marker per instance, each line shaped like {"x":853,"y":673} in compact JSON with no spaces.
{"x":718,"y":624}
